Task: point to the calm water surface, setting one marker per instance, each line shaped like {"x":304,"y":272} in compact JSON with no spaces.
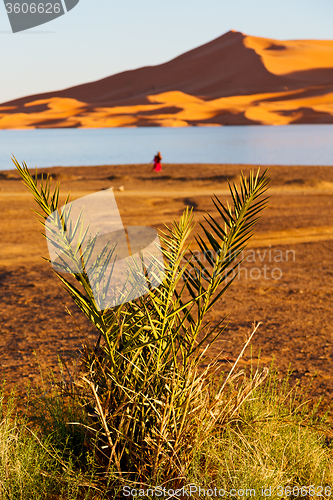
{"x":261,"y":145}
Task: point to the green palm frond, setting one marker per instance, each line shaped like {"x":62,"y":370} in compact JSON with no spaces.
{"x":142,"y":388}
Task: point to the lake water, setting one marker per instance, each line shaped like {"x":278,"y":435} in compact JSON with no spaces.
{"x":260,"y":145}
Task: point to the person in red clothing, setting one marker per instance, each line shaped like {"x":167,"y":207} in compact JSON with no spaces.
{"x":157,"y":162}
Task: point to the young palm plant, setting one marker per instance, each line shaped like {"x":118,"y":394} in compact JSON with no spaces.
{"x":149,"y":399}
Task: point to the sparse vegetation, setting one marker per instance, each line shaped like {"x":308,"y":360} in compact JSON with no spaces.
{"x":147,"y":406}
{"x":34,"y":464}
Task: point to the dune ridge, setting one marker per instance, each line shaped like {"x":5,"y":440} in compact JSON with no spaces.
{"x":233,"y":80}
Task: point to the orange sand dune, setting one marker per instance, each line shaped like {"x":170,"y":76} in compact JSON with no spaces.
{"x":281,"y":58}
{"x":233,"y":80}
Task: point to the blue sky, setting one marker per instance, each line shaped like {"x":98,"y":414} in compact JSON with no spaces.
{"x":102,"y":37}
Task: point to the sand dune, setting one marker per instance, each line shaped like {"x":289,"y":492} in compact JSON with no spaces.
{"x":233,"y":80}
{"x":283,"y":58}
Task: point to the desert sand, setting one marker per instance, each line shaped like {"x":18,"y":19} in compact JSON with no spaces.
{"x":233,"y":80}
{"x":286,"y":282}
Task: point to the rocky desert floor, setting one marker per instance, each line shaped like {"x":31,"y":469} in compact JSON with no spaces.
{"x":286,"y":281}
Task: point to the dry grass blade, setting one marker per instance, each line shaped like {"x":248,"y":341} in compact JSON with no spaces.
{"x":142,"y":388}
